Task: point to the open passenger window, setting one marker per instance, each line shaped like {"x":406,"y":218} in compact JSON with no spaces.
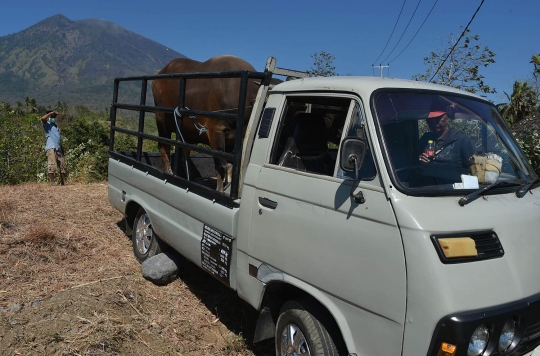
{"x":310,"y":132}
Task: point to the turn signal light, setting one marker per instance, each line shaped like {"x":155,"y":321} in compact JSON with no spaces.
{"x":458,"y":247}
{"x":447,"y":349}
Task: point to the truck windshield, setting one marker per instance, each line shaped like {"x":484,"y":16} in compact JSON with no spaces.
{"x":445,"y":144}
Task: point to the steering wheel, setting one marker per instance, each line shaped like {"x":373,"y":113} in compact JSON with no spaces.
{"x":408,"y":168}
{"x":414,"y":171}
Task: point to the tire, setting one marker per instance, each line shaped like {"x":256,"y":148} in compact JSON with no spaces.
{"x":145,"y":242}
{"x":300,"y":331}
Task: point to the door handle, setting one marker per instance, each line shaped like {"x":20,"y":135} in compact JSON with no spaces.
{"x":267,"y":203}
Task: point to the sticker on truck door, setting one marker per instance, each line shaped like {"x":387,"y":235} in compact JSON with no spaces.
{"x":216,"y":251}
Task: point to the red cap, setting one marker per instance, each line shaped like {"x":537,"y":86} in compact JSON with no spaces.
{"x":435,"y":114}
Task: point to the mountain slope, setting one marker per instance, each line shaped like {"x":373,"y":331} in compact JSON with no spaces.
{"x":74,"y":61}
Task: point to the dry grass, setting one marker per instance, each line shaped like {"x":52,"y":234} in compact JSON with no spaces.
{"x":69,"y":285}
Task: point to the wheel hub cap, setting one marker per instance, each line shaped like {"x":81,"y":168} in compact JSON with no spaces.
{"x":293,"y":342}
{"x":143,"y":235}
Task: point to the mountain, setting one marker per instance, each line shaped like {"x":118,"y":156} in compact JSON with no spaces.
{"x":76,"y":62}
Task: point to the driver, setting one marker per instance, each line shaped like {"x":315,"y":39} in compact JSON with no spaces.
{"x":452,"y":147}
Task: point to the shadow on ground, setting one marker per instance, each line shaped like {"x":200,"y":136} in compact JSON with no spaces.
{"x":223,"y":302}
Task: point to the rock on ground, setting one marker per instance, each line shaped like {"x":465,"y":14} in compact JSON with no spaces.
{"x":162,"y":268}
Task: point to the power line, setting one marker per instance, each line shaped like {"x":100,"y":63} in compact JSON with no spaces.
{"x":415,"y":33}
{"x":405,"y":30}
{"x":463,"y":33}
{"x":399,"y":16}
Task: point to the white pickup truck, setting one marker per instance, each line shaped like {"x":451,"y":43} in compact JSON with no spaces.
{"x":347,"y":235}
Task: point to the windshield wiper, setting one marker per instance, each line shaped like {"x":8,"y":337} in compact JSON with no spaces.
{"x":478,"y":193}
{"x":524,"y":189}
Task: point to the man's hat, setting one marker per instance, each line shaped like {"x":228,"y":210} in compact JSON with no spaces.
{"x":434,"y":114}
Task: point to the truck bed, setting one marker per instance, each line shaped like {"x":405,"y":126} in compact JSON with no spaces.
{"x":179,"y":216}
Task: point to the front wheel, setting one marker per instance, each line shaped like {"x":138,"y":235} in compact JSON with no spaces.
{"x":299,"y":331}
{"x":144,"y":240}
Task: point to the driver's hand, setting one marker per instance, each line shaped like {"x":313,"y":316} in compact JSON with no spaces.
{"x":424,"y":158}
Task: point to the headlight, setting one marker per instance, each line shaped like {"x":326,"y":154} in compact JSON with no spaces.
{"x":479,"y":341}
{"x":507,"y":335}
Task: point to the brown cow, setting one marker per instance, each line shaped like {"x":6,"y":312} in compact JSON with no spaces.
{"x":211,"y":94}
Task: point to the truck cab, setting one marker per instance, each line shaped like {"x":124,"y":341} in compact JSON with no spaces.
{"x":351,"y":239}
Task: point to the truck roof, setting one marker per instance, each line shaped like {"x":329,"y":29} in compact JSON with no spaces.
{"x":361,"y":85}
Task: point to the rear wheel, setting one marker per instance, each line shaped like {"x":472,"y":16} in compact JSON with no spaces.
{"x":145,"y":242}
{"x":300,"y":331}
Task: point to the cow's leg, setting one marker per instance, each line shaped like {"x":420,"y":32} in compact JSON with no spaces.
{"x":165,"y":152}
{"x":164,"y":148}
{"x":217,"y":142}
{"x":228,"y":176}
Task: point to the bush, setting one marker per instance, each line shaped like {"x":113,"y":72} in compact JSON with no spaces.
{"x":86,"y":146}
{"x":85,"y":142}
{"x":87,"y":162}
{"x":21,"y":148}
{"x":530,"y":144}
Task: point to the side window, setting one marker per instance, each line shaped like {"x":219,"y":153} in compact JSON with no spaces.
{"x":309,"y":134}
{"x":356,"y":128}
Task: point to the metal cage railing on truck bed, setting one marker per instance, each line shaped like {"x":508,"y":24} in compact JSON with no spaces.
{"x":142,"y":108}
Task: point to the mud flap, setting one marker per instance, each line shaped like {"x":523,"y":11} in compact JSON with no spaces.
{"x":266,"y":327}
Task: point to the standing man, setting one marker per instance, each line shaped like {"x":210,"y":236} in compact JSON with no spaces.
{"x":53,"y":147}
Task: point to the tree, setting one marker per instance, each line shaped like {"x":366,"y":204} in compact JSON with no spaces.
{"x":18,"y":111}
{"x":462,"y":66}
{"x":31,"y":105}
{"x":81,"y":110}
{"x":62,"y":108}
{"x":535,"y":60}
{"x":535,"y":80}
{"x":21,"y":149}
{"x":521,"y":103}
{"x":5,"y":108}
{"x":323,"y":65}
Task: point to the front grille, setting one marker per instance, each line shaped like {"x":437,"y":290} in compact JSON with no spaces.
{"x":488,"y":245}
{"x":532,"y":332}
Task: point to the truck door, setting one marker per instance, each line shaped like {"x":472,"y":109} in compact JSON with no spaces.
{"x":305,"y":224}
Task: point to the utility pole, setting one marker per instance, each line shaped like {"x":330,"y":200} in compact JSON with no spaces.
{"x":380,"y":66}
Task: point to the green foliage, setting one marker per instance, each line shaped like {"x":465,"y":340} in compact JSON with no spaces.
{"x":87,"y":162}
{"x":462,"y":68}
{"x":5,"y":108}
{"x":31,"y":105}
{"x":85,"y":141}
{"x":21,"y":148}
{"x":534,"y":81}
{"x":323,"y":65}
{"x":529,"y":142}
{"x":18,"y":110}
{"x":535,"y":60}
{"x":84,"y":129}
{"x":62,"y":108}
{"x":521,"y":104}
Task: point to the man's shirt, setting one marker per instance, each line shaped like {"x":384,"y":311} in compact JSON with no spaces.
{"x":454,"y":148}
{"x":52,"y":133}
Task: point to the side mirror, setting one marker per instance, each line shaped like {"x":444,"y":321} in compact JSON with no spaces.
{"x":353,"y":150}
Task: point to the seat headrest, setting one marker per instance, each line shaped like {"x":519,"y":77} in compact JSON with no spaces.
{"x":310,"y":133}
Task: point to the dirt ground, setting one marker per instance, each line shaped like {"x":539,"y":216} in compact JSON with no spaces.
{"x":70,"y":285}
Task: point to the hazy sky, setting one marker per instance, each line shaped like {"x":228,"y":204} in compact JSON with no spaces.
{"x":355,"y":32}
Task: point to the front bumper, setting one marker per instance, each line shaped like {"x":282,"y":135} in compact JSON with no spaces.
{"x":456,"y":329}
